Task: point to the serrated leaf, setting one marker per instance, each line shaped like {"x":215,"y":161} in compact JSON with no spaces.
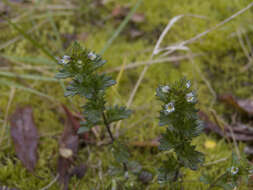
{"x":69,"y":93}
{"x":83,"y":130}
{"x":117,"y":113}
{"x":169,"y":170}
{"x":120,"y":152}
{"x":63,"y":75}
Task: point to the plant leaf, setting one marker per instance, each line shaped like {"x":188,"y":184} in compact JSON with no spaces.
{"x":117,"y":113}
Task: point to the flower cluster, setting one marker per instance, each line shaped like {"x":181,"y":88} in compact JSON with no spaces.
{"x":169,"y":107}
{"x":180,"y":115}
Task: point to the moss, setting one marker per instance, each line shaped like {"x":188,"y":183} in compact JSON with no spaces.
{"x":222,"y":59}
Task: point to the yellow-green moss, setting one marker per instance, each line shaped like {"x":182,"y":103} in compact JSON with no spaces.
{"x":221,"y":60}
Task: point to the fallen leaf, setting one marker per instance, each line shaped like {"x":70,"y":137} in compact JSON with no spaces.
{"x":74,"y":121}
{"x":135,"y":33}
{"x":244,"y":106}
{"x":120,"y":12}
{"x":239,"y":131}
{"x":68,"y":147}
{"x":82,"y":36}
{"x":138,"y":18}
{"x":79,"y":171}
{"x":25,"y":136}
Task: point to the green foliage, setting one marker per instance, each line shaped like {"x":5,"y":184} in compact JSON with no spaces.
{"x":117,"y":113}
{"x":120,"y":152}
{"x":180,"y":115}
{"x":82,"y":67}
{"x":238,"y":173}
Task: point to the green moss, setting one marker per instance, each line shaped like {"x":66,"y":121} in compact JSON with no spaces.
{"x":221,"y":63}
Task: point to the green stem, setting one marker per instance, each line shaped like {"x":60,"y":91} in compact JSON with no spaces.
{"x":111,"y":136}
{"x":215,"y":182}
{"x":108,"y":127}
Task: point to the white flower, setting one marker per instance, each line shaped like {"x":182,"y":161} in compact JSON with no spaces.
{"x":190,"y":97}
{"x":165,"y":89}
{"x":65,"y":59}
{"x":79,"y":61}
{"x":92,"y":56}
{"x":188,"y":84}
{"x":169,"y":108}
{"x":234,"y":170}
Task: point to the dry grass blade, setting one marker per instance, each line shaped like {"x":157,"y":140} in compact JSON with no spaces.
{"x":12,"y":93}
{"x":165,"y":31}
{"x":12,"y":84}
{"x":208,"y":84}
{"x":157,"y":46}
{"x":6,"y":44}
{"x":27,"y":76}
{"x":51,"y":183}
{"x":151,"y":62}
{"x":191,"y":40}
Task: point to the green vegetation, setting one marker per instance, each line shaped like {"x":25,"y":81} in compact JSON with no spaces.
{"x":221,"y":60}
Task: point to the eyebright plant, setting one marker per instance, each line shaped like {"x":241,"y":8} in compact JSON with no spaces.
{"x":82,"y":67}
{"x":179,"y":115}
{"x":238,"y":173}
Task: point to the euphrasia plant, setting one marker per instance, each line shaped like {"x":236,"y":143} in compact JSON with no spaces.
{"x":82,"y":67}
{"x":179,"y":114}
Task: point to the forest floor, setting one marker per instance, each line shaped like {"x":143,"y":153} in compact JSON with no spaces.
{"x":217,"y":63}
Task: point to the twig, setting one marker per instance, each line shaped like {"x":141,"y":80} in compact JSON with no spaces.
{"x":150,"y":62}
{"x":191,"y":40}
{"x":208,"y":84}
{"x":216,"y":161}
{"x":12,"y":93}
{"x":159,"y":41}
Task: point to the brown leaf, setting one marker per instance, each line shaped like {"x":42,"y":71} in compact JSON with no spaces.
{"x":240,"y":131}
{"x":135,"y":33}
{"x":79,"y":171}
{"x":25,"y":136}
{"x":244,"y":106}
{"x":73,"y":119}
{"x":138,"y":18}
{"x":120,"y":12}
{"x":68,"y":147}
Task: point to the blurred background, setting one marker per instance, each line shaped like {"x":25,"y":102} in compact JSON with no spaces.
{"x":218,"y":62}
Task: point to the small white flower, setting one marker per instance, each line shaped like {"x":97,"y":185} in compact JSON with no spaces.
{"x":169,"y":108}
{"x":188,"y":84}
{"x":65,"y":59}
{"x":165,"y":89}
{"x":234,"y":170}
{"x":79,"y":61}
{"x":190,"y":97}
{"x":92,"y":56}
